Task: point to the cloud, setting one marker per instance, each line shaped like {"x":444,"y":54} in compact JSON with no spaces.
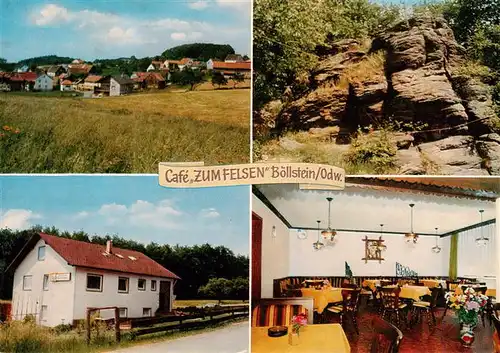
{"x":240,"y":5}
{"x":18,"y":218}
{"x":209,"y":213}
{"x":81,"y":215}
{"x":163,"y":214}
{"x":51,"y":15}
{"x":120,"y":34}
{"x":199,"y":5}
{"x":178,"y":36}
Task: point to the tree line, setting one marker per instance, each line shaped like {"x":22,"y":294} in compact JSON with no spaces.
{"x":288,"y":34}
{"x":196,"y":265}
{"x":197,"y":51}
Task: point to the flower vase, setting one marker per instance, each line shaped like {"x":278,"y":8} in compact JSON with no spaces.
{"x":293,"y":338}
{"x":467,"y":335}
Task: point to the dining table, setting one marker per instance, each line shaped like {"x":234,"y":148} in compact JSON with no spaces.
{"x":412,"y":292}
{"x":312,"y":338}
{"x":371,"y":283}
{"x":433,"y":283}
{"x":323,"y":297}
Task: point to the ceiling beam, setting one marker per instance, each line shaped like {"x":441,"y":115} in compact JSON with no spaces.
{"x":269,"y":205}
{"x":474,"y":226}
{"x":365,"y":231}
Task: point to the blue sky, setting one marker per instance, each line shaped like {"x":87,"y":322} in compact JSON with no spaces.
{"x":119,"y":28}
{"x":133,"y":207}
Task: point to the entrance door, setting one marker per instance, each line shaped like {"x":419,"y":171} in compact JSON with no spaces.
{"x":165,"y":297}
{"x":256,"y":256}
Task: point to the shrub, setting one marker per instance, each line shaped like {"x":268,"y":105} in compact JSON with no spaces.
{"x":375,"y":149}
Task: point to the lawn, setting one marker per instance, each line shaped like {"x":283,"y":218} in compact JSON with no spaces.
{"x":201,"y":302}
{"x":128,"y":134}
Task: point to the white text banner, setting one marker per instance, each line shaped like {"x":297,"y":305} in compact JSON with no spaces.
{"x":197,"y":176}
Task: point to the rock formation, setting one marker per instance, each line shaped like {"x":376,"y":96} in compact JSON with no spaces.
{"x":410,"y":75}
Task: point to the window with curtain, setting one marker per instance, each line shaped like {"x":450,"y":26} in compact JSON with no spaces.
{"x":474,"y":260}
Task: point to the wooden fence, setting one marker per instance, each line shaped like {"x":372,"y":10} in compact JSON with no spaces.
{"x":144,"y":326}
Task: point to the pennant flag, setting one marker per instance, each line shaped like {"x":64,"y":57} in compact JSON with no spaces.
{"x":348,"y":272}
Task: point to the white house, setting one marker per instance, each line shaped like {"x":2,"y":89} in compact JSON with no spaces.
{"x":66,"y":85}
{"x":43,"y":83}
{"x":57,"y":279}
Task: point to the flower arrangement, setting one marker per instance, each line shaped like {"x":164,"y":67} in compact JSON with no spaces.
{"x":467,"y":305}
{"x":298,"y":321}
{"x":326,"y":283}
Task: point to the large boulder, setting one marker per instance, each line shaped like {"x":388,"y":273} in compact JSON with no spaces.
{"x":455,"y":155}
{"x":426,"y":96}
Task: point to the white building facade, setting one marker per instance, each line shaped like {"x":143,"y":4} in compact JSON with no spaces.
{"x":55,"y":292}
{"x":43,"y":83}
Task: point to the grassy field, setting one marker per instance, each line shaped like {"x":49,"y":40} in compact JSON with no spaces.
{"x":128,"y":134}
{"x":201,"y":302}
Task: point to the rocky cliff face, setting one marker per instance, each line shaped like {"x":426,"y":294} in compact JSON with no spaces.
{"x":409,"y":75}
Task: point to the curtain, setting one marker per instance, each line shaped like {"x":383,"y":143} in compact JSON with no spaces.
{"x":453,"y":256}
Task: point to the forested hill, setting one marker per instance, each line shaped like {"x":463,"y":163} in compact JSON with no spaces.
{"x":46,"y":60}
{"x":195,"y":265}
{"x":199,"y":51}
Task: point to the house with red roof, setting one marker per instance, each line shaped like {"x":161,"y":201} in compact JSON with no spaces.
{"x":56,"y":279}
{"x":229,"y":69}
{"x":148,"y":80}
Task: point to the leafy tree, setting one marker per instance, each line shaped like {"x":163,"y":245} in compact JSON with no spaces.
{"x":46,"y":60}
{"x":219,"y":79}
{"x":217,"y":288}
{"x":287,"y":34}
{"x":188,"y":77}
{"x":199,"y":51}
{"x":238,"y":78}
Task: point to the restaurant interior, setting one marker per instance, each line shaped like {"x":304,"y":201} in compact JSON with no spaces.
{"x":382,"y":265}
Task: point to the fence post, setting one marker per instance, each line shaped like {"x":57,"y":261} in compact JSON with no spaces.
{"x":87,"y":327}
{"x":117,"y":324}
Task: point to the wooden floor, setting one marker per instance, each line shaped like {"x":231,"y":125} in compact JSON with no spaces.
{"x":444,"y":339}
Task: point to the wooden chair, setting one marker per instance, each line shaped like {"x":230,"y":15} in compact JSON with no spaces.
{"x":496,"y":333}
{"x":387,"y":337}
{"x":284,"y":308}
{"x":349,"y":307}
{"x":421,"y":308}
{"x":391,"y":304}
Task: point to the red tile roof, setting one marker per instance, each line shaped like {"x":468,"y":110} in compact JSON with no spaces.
{"x":66,"y":82}
{"x":93,"y":78}
{"x":90,"y":255}
{"x":232,"y":66}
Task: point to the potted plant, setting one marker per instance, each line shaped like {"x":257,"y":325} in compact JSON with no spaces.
{"x":467,"y":306}
{"x":298,"y":321}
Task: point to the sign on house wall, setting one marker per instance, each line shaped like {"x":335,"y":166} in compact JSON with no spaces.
{"x":60,"y":277}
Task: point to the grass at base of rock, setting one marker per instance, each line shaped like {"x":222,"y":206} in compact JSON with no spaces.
{"x":354,"y":159}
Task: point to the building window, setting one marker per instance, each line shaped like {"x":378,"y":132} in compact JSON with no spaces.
{"x":122,"y":284}
{"x":43,"y":313}
{"x":27,"y":282}
{"x":146,"y":312}
{"x":94,"y":283}
{"x":153,"y":285}
{"x":45,"y":282}
{"x":141,"y":284}
{"x":123,"y":312}
{"x":41,"y":253}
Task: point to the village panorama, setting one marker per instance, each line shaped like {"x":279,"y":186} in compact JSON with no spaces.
{"x":91,"y":79}
{"x":125,"y":115}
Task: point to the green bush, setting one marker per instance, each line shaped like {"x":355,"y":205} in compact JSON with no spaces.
{"x":373,"y":149}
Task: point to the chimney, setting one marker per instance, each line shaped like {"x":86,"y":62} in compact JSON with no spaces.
{"x":109,"y":246}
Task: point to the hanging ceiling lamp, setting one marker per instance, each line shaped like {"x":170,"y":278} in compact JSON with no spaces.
{"x":381,"y":245}
{"x":436,"y":249}
{"x":411,"y":237}
{"x":318,"y":245}
{"x":329,"y":234}
{"x":482,"y":241}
